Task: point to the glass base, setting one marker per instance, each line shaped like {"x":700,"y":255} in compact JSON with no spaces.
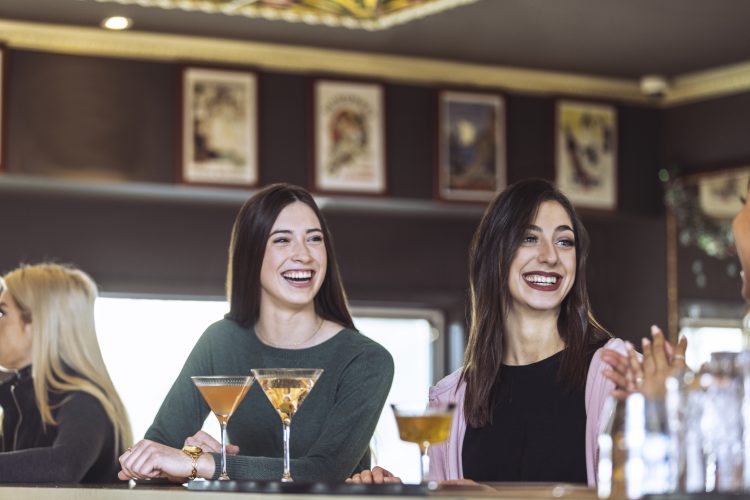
{"x":223,"y":477}
{"x":286,"y":478}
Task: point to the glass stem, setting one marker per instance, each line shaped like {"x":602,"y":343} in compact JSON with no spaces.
{"x":425,"y":462}
{"x":223,"y":476}
{"x":286,"y":477}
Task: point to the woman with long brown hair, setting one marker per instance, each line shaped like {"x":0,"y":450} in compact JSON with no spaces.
{"x":530,"y":395}
{"x":287,"y":310}
{"x":532,"y":387}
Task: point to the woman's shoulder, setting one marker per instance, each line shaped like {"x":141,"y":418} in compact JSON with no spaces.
{"x":447,"y":387}
{"x":225,"y":325}
{"x":614,"y":344}
{"x":361,"y":343}
{"x":595,"y":357}
{"x":77,"y":403}
{"x":223,"y":330}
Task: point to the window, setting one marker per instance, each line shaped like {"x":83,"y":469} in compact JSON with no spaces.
{"x":413,"y":339}
{"x":146,"y":341}
{"x":706,"y":336}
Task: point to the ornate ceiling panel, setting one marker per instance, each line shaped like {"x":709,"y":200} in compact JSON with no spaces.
{"x":369,"y":15}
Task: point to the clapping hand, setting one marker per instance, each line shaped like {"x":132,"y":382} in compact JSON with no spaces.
{"x":646,"y":374}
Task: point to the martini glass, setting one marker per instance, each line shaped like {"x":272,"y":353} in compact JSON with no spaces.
{"x":286,"y":389}
{"x":425,"y":426}
{"x":223,"y":394}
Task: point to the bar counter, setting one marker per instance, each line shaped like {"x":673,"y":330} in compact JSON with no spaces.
{"x":177,"y":492}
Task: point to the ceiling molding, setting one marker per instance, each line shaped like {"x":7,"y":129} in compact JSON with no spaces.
{"x":179,"y":48}
{"x":711,"y":84}
{"x":151,"y":46}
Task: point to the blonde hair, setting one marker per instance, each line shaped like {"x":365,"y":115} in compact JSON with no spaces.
{"x":58,"y":302}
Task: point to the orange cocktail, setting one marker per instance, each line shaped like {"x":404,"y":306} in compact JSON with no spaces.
{"x":223,"y":399}
{"x":424,"y":425}
{"x":223,"y":394}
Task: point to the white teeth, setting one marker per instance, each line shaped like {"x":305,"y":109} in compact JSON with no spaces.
{"x":298,"y":275}
{"x":542,"y":280}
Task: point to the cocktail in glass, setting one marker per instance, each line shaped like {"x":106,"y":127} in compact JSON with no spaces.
{"x":223,"y":394}
{"x":424,"y":425}
{"x":286,"y":389}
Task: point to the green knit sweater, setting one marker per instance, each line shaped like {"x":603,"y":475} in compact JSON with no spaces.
{"x":330,"y":434}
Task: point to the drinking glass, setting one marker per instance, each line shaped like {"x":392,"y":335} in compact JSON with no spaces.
{"x":223,"y":394}
{"x":424,"y":425}
{"x":286,"y":389}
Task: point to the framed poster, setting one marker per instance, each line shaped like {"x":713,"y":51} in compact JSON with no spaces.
{"x":471,"y":144}
{"x":219,"y":127}
{"x":349,"y":141}
{"x":586,"y":153}
{"x":3,"y":56}
{"x":720,"y":194}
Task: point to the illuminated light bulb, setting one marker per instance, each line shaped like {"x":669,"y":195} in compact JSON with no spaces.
{"x":117,"y":23}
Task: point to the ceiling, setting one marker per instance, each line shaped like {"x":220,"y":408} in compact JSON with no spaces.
{"x":614,"y":38}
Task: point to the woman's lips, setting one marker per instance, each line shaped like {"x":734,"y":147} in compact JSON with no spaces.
{"x":545,"y":282}
{"x":299,"y":279}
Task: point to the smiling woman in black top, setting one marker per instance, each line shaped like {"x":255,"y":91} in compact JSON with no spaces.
{"x":529,"y":398}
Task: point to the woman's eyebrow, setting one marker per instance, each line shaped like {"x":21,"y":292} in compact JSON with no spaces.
{"x":289,"y":231}
{"x":561,"y":227}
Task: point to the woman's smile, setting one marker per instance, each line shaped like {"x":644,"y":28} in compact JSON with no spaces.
{"x":299,"y":278}
{"x":540,"y":280}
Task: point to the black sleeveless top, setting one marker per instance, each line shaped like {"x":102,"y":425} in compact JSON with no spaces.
{"x":538,"y":432}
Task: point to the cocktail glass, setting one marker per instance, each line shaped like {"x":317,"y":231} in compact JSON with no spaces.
{"x":424,"y":425}
{"x":223,"y":394}
{"x":286,"y":389}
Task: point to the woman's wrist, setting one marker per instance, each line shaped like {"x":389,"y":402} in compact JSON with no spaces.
{"x":206,"y":466}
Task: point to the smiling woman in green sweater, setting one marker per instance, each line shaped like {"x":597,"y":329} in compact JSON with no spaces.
{"x":287,"y":310}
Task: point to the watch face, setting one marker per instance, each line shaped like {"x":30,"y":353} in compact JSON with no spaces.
{"x":192,"y":450}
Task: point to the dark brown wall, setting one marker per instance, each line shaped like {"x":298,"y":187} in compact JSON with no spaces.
{"x":708,"y":135}
{"x":702,"y":137}
{"x":98,"y":118}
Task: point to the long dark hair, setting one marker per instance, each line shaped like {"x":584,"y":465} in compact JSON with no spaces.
{"x":499,"y":235}
{"x":250,"y":233}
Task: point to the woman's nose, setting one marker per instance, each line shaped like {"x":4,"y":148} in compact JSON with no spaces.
{"x":301,"y":253}
{"x":547,"y":252}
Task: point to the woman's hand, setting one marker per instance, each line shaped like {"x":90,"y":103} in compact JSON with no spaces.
{"x":207,"y":443}
{"x":620,"y":372}
{"x":147,"y":460}
{"x":659,"y":361}
{"x":646,"y":375}
{"x":378,"y":475}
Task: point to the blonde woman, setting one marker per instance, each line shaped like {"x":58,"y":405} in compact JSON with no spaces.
{"x":63,"y":421}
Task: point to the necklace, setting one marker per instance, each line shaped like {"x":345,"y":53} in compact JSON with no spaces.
{"x":287,"y":346}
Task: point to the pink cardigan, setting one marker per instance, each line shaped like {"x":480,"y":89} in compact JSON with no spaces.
{"x":445,"y":458}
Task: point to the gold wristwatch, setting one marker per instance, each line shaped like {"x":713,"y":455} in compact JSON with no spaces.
{"x":195,"y":453}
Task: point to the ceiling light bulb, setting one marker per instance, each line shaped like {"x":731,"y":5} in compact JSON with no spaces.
{"x":117,"y":23}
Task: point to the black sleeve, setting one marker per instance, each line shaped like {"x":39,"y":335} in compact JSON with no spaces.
{"x":83,"y":431}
